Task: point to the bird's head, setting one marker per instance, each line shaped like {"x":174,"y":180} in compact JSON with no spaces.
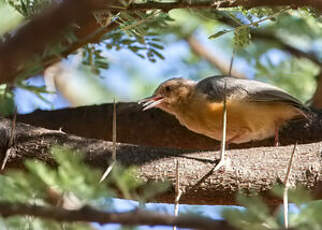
{"x":169,"y":95}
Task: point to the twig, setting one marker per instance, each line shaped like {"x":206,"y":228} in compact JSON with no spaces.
{"x":286,"y":184}
{"x":137,"y":23}
{"x":231,"y":62}
{"x":264,"y":19}
{"x":166,"y":6}
{"x":256,"y":23}
{"x":114,"y":131}
{"x":109,"y":169}
{"x":132,"y":218}
{"x":10,"y":147}
{"x":178,"y":193}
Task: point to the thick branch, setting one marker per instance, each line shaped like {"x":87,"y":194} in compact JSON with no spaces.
{"x":152,"y":128}
{"x":50,"y":27}
{"x":90,"y":33}
{"x":88,"y":214}
{"x":251,"y":170}
{"x":224,"y":4}
{"x":22,"y":46}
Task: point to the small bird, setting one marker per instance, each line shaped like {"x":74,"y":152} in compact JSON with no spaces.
{"x":255,"y":110}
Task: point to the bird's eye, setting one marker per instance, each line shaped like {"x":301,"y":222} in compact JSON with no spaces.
{"x":167,"y":89}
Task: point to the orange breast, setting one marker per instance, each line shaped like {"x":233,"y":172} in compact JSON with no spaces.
{"x":246,"y":121}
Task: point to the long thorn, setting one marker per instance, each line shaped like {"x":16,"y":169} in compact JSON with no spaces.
{"x":178,"y":193}
{"x":107,"y":171}
{"x":231,"y":62}
{"x":11,"y":140}
{"x":110,"y":167}
{"x":114,"y":131}
{"x":286,"y":184}
{"x":224,"y":121}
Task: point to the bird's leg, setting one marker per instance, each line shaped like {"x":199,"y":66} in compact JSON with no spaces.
{"x":276,"y":139}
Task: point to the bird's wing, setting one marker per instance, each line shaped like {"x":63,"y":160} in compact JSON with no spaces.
{"x":244,"y":89}
{"x":216,"y":87}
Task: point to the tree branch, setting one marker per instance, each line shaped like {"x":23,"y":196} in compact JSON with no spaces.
{"x":48,"y":27}
{"x":215,"y":61}
{"x":284,"y":46}
{"x":166,"y":6}
{"x":257,"y":34}
{"x":252,"y":171}
{"x":155,"y":127}
{"x":16,"y":51}
{"x":133,"y":218}
{"x":90,"y":33}
{"x":317,"y":96}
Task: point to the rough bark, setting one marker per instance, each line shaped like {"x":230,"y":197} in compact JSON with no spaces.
{"x":153,"y":127}
{"x":226,"y":3}
{"x":254,"y":170}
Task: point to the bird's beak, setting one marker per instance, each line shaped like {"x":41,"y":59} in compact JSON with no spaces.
{"x":151,"y":102}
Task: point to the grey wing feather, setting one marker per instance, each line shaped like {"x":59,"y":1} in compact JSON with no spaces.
{"x":245,"y":89}
{"x":214,"y":87}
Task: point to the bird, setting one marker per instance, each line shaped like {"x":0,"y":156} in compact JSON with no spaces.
{"x":255,"y":110}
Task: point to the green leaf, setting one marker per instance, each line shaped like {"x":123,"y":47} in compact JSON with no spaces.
{"x":7,"y":104}
{"x":219,"y":33}
{"x":24,"y":7}
{"x":47,"y":175}
{"x":255,"y":217}
{"x":242,"y":37}
{"x":298,"y":195}
{"x":156,"y":45}
{"x":157,"y":53}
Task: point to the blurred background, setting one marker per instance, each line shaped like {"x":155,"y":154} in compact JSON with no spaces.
{"x":128,"y":64}
{"x":285,"y":51}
